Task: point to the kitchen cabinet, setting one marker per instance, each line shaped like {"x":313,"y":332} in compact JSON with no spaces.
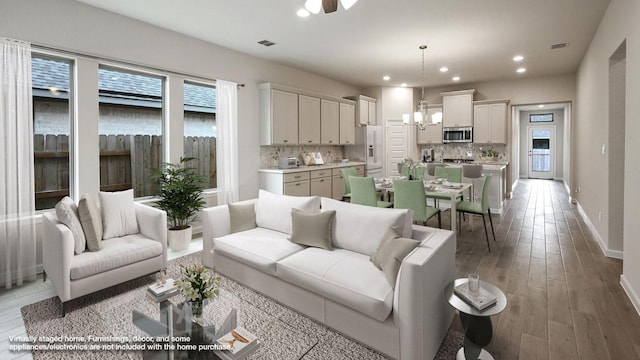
{"x":366,"y":112}
{"x":278,"y":117}
{"x":457,"y":108}
{"x":347,"y":124}
{"x":432,"y":134}
{"x":320,"y":180}
{"x":329,"y":122}
{"x":490,"y":122}
{"x":308,"y":120}
{"x":321,"y":183}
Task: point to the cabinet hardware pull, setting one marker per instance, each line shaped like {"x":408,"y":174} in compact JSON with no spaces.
{"x":309,"y":140}
{"x":286,"y":141}
{"x":297,"y":177}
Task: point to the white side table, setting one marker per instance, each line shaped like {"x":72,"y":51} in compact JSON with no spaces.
{"x":478,"y":330}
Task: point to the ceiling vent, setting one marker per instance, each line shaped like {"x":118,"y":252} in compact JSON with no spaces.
{"x":558,"y":46}
{"x":266,"y":43}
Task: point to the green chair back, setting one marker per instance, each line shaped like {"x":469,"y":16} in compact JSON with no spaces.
{"x":449,"y":173}
{"x":363,"y":191}
{"x":409,"y":194}
{"x":404,"y":171}
{"x":419,"y":172}
{"x":346,"y":172}
{"x":485,"y":193}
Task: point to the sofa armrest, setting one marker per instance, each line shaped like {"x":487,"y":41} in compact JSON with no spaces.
{"x":215,"y":223}
{"x":57,"y":254}
{"x":152,"y":223}
{"x":421,"y":310}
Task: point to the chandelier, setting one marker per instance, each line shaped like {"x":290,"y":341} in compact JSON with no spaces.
{"x":420,"y":115}
{"x":329,"y":6}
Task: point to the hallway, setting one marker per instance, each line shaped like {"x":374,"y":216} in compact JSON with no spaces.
{"x":564,"y":296}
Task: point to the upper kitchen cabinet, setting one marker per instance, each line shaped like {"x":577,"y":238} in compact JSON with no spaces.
{"x":329,"y":122}
{"x":432,"y":134}
{"x":490,"y":122}
{"x":457,"y":108}
{"x":308,"y":120}
{"x":366,"y":111}
{"x":347,"y":124}
{"x":278,"y":116}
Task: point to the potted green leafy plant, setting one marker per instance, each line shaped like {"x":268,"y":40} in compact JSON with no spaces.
{"x":181,"y":197}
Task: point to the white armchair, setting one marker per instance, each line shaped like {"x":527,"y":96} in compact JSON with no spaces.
{"x":119,"y":259}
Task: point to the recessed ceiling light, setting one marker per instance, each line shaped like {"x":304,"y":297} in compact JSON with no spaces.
{"x":521,"y":70}
{"x":541,"y":105}
{"x":303,"y":13}
{"x":456,"y":78}
{"x":386,"y":78}
{"x":518,"y":58}
{"x":403,"y":84}
{"x":444,"y":69}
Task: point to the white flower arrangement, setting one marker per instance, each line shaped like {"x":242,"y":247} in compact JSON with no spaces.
{"x":198,"y":283}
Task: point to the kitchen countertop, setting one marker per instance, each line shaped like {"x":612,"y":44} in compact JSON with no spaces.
{"x":312,"y":167}
{"x":487,"y":165}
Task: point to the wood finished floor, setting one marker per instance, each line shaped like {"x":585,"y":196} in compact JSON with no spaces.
{"x":564,"y":296}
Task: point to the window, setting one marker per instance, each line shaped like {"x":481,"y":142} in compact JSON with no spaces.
{"x":130,"y":125}
{"x":51,"y":128}
{"x":534,"y":118}
{"x":200,"y":129}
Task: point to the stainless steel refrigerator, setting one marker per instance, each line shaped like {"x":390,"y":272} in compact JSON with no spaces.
{"x":367,"y":148}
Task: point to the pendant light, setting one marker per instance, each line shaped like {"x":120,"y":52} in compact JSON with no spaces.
{"x":420,"y":115}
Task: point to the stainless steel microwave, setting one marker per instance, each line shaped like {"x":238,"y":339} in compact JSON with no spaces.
{"x":457,"y":135}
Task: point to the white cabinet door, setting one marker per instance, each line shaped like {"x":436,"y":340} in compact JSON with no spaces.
{"x":372,"y":113}
{"x":490,"y":123}
{"x":432,"y":134}
{"x":284,"y":117}
{"x":308,"y":120}
{"x":329,"y":122}
{"x":457,"y":110}
{"x":347,"y":124}
{"x":498,"y":118}
{"x":298,"y":188}
{"x":321,"y":187}
{"x":363,"y":112}
{"x":337,"y":187}
{"x":481,"y":124}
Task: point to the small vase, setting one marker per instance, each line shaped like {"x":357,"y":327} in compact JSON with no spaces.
{"x":196,"y":309}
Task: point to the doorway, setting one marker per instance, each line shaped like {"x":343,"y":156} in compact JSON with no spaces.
{"x":541,"y":151}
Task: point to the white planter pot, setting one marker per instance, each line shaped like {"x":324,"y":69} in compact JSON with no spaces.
{"x":179,"y":239}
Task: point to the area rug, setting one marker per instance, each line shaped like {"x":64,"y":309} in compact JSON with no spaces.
{"x":285,"y":333}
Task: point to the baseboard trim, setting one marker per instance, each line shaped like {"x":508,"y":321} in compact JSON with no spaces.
{"x":616,"y":254}
{"x":633,"y":296}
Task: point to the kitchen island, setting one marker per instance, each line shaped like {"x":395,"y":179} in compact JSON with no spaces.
{"x":321,"y":180}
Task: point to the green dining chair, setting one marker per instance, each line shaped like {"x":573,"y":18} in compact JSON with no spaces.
{"x":363,"y":192}
{"x":409,"y":194}
{"x":346,"y":172}
{"x":481,"y":208}
{"x":450,"y":174}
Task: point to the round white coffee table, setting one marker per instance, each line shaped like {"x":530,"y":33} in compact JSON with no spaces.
{"x":478,"y":330}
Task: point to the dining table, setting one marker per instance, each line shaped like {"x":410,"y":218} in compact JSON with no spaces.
{"x":434,"y":187}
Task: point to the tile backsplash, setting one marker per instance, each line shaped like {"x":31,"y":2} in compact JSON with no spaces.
{"x":269,"y":154}
{"x":459,"y":151}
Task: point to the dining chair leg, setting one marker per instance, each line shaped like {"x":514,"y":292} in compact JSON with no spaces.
{"x":439,"y":220}
{"x":486,"y":233}
{"x":491,"y":221}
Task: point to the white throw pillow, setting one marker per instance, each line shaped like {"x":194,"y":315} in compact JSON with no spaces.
{"x":67,"y":213}
{"x":118,"y":214}
{"x":274,"y":211}
{"x":361,"y":228}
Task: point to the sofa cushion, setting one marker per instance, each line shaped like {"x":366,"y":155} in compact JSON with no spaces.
{"x":274,"y":211}
{"x":118,"y":214}
{"x":312,"y":229}
{"x":242,"y":217}
{"x":343,"y":276}
{"x":114,"y":253}
{"x":91,"y":221}
{"x":361,"y":228}
{"x":67,"y":213}
{"x":392,"y":250}
{"x":259,"y":248}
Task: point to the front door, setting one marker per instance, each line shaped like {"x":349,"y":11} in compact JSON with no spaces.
{"x":541,"y":152}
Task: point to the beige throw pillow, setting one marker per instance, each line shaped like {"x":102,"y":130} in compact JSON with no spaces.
{"x":312,"y":229}
{"x":91,"y":221}
{"x":242,"y":217}
{"x":390,"y":253}
{"x":67,"y":213}
{"x":118,"y":214}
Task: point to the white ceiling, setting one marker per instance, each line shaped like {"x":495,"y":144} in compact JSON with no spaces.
{"x":475,"y":39}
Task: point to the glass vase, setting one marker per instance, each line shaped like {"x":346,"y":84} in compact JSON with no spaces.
{"x":196,"y":309}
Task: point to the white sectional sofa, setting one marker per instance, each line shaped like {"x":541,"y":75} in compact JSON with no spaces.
{"x":342,"y":288}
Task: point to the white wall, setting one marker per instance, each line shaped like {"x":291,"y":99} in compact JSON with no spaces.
{"x":591,"y":131}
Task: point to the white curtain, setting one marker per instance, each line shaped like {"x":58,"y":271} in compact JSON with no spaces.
{"x":227,"y":141}
{"x":17,"y":205}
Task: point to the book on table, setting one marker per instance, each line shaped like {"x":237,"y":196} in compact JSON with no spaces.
{"x":240,"y":342}
{"x":163,"y":296}
{"x":481,"y":301}
{"x":163,"y":288}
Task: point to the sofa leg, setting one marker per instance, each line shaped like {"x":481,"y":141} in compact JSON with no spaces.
{"x":44,"y":276}
{"x":64,"y":309}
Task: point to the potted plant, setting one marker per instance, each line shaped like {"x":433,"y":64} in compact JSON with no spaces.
{"x":181,"y":197}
